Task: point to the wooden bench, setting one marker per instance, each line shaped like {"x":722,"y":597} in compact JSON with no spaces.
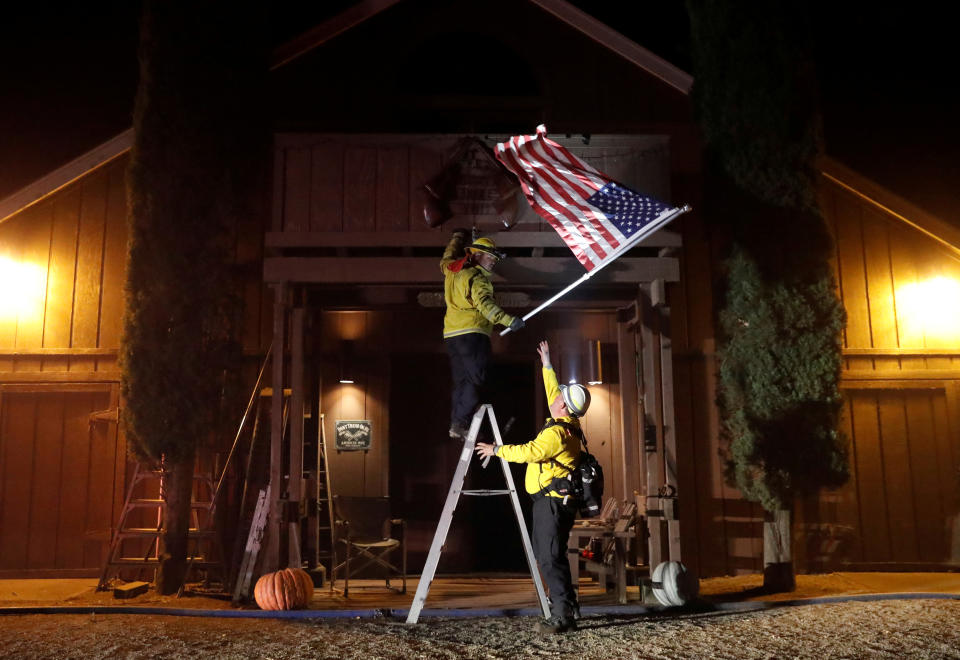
{"x":611,"y":530}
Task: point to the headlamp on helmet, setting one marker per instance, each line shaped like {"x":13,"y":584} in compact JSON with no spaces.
{"x":576,"y":397}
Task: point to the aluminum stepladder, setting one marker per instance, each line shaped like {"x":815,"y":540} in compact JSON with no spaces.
{"x":453,"y":497}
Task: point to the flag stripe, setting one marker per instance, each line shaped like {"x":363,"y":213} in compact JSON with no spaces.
{"x":580,"y":245}
{"x":558,"y":185}
{"x":595,"y":216}
{"x":610,"y":234}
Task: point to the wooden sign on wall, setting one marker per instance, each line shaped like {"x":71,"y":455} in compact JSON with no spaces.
{"x":353,"y":434}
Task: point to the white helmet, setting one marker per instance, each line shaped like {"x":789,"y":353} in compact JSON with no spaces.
{"x":576,"y":397}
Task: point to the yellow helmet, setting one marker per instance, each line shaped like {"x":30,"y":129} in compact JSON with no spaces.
{"x":485,"y":244}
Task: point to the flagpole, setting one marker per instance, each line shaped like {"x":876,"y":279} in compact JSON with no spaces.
{"x":664,"y":218}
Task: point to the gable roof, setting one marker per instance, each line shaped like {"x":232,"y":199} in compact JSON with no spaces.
{"x":316,"y":37}
{"x":942,"y":232}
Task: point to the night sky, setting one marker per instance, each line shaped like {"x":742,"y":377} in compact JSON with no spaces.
{"x":889,"y":87}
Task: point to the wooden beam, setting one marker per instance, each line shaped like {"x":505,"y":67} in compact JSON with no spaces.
{"x":629,"y":404}
{"x":668,"y":420}
{"x":65,"y":175}
{"x":436,"y":238}
{"x":271,"y":558}
{"x":652,"y":440}
{"x":901,"y":352}
{"x":619,"y":44}
{"x":296,"y":433}
{"x":60,"y":377}
{"x":59,"y":352}
{"x":423,"y":270}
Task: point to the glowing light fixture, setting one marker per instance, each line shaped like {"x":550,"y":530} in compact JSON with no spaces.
{"x":22,"y":287}
{"x":593,"y":363}
{"x":346,"y":362}
{"x":933,"y":305}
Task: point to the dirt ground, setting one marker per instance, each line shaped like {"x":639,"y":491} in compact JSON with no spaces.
{"x":884,"y":629}
{"x":898,"y":628}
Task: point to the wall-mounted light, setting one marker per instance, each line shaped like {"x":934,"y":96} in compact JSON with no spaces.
{"x":931,"y":306}
{"x":347,"y":363}
{"x":593,"y":362}
{"x":22,"y":289}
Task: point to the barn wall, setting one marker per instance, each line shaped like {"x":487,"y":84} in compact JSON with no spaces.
{"x":901,"y":382}
{"x":62,"y":270}
{"x":61,"y":476}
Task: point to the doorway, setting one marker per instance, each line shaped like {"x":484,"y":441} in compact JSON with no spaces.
{"x":483,"y":536}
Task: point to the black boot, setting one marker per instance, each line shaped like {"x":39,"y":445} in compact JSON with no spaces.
{"x":555,"y":625}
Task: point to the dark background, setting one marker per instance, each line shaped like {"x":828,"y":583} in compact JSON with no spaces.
{"x":68,"y":75}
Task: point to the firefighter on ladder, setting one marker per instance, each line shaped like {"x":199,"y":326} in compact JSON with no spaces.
{"x":471,"y":314}
{"x":549,"y":457}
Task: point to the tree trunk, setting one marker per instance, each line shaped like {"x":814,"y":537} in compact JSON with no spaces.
{"x":777,"y":557}
{"x":178,"y":491}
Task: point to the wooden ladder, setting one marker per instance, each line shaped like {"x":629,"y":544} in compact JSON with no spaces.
{"x":149,"y":559}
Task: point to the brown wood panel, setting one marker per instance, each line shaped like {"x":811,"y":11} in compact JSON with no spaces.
{"x":326,"y":187}
{"x":18,"y":415}
{"x":929,"y":494}
{"x":10,"y":240}
{"x":393,"y":188}
{"x":883,"y":318}
{"x":86,"y":292}
{"x":74,"y":489}
{"x":99,"y":507}
{"x":872,"y":495}
{"x":903,"y":261}
{"x":35,"y":250}
{"x":296,"y":190}
{"x":946,"y":420}
{"x":359,"y":179}
{"x":852,"y":276}
{"x":897,"y":481}
{"x":61,"y":274}
{"x":47,"y":469}
{"x":848,"y":508}
{"x":114,"y":265}
{"x":938,"y":263}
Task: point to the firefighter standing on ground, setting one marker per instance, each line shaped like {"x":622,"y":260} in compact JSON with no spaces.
{"x":471,"y":314}
{"x":549,"y":457}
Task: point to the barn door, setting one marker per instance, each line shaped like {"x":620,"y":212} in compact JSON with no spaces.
{"x":61,"y":475}
{"x":900,"y":506}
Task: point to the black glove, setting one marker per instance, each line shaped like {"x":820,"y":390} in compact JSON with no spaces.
{"x":462,"y":234}
{"x":517,"y":324}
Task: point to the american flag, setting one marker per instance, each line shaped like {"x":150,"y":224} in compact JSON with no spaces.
{"x":595,"y":216}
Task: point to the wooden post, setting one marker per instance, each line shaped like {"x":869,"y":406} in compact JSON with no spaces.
{"x":271,"y":555}
{"x":295,"y":413}
{"x":629,"y":408}
{"x":777,"y":556}
{"x":668,"y":422}
{"x":652,"y":441}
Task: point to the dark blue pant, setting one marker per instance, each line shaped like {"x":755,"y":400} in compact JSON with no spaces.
{"x":552,"y":520}
{"x":469,"y":355}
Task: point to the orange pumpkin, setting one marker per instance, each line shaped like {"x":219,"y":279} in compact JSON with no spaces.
{"x":287,"y":589}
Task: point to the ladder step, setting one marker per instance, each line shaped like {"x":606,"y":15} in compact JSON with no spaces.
{"x":485,"y":492}
{"x":147,"y":532}
{"x":140,"y":561}
{"x":143,"y":502}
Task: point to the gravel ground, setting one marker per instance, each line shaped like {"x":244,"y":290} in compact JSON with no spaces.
{"x":880,"y":629}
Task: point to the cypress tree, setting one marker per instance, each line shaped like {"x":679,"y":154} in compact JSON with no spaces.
{"x":780,"y":319}
{"x":195,"y":168}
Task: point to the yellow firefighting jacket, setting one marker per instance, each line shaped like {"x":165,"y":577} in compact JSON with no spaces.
{"x":468,"y":293}
{"x":552,"y":446}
